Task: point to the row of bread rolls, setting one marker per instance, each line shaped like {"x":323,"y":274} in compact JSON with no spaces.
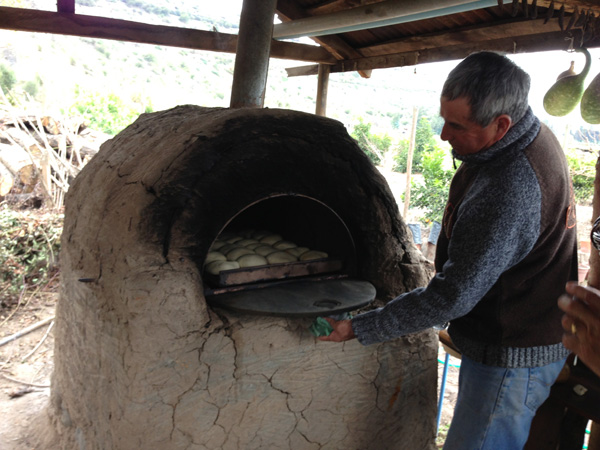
{"x":251,"y":248}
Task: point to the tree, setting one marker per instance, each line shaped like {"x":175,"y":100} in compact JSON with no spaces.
{"x":7,"y":78}
{"x":107,"y":112}
{"x":432,"y":193}
{"x":377,"y":147}
{"x":424,"y":143}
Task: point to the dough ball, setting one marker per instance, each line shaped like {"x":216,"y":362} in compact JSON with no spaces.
{"x":234,"y":239}
{"x":217,"y":244}
{"x":234,"y":254}
{"x":297,"y":251}
{"x":246,"y":234}
{"x":271,"y":239}
{"x":252,"y":260}
{"x":247,"y":242}
{"x":281,"y":257}
{"x":312,"y":255}
{"x":254,"y":246}
{"x":227,"y":248}
{"x":214,"y":256}
{"x":284,"y":245}
{"x":225,"y":235}
{"x":264,"y":250}
{"x":259,"y":234}
{"x":218,"y":266}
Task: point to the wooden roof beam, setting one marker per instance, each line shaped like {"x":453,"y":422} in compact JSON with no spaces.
{"x":516,"y":44}
{"x":36,"y":21}
{"x":288,"y":10}
{"x":476,"y":34}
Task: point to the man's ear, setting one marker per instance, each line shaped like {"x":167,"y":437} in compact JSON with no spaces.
{"x":503,"y":124}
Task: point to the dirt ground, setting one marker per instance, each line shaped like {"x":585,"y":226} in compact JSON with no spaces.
{"x":25,"y":376}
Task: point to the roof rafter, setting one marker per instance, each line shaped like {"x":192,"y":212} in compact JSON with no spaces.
{"x":123,"y":30}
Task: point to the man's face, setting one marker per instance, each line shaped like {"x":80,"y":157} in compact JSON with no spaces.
{"x":465,"y":136}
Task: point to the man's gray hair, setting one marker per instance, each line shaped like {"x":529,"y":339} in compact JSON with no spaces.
{"x":493,"y":85}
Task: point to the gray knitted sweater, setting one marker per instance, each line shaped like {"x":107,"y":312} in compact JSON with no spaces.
{"x":503,"y":257}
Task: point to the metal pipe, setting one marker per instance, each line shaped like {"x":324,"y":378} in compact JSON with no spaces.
{"x":390,"y":12}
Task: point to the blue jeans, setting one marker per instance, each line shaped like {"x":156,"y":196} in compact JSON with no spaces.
{"x":495,"y":405}
{"x":436,"y":227}
{"x":415,"y":228}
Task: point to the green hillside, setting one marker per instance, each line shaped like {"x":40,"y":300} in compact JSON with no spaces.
{"x":61,"y":71}
{"x":95,"y":76}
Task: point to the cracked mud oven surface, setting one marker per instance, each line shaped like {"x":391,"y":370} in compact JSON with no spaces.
{"x":22,"y":406}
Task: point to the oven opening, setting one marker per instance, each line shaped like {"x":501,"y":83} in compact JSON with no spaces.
{"x":285,"y":255}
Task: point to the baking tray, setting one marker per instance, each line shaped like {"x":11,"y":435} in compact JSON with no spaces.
{"x":273,"y":272}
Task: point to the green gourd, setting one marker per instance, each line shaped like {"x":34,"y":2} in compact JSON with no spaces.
{"x":565,"y":94}
{"x":567,"y":73}
{"x":590,"y":102}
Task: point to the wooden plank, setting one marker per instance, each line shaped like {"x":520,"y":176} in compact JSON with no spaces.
{"x":289,"y":10}
{"x":123,"y":30}
{"x":516,"y":44}
{"x":276,"y":272}
{"x":303,"y":71}
{"x":378,"y":62}
{"x":586,"y":4}
{"x":336,"y":5}
{"x":301,"y":52}
{"x":479,"y":34}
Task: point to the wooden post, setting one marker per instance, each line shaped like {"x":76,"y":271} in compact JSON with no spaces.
{"x":409,"y":159}
{"x":65,"y":6}
{"x":322,"y":86}
{"x":252,"y":54}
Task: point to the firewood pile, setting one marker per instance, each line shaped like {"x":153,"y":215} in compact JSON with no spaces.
{"x":40,"y":155}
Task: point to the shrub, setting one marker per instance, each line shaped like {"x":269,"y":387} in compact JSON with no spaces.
{"x":583,"y":171}
{"x":108,"y":113}
{"x":424,"y":142}
{"x":7,"y":78}
{"x":375,"y":146}
{"x":29,"y":247}
{"x":432,"y":194}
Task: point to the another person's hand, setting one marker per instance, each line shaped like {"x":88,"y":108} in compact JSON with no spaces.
{"x":582,"y":323}
{"x":342,"y":331}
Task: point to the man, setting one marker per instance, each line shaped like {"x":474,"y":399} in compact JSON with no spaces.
{"x":506,"y":249}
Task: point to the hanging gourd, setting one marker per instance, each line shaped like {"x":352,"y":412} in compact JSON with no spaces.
{"x":567,"y":73}
{"x":566,"y":93}
{"x":590,"y":102}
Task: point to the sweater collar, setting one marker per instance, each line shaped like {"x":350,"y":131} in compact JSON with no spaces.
{"x":516,"y":139}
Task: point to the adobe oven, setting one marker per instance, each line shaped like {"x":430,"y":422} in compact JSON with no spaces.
{"x":159,"y":346}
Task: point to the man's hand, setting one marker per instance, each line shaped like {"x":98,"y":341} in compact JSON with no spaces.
{"x":582,"y":323}
{"x":342,"y":331}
